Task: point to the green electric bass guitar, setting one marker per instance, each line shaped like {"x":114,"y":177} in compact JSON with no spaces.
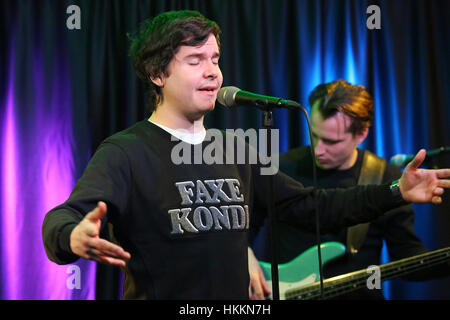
{"x":300,"y":278}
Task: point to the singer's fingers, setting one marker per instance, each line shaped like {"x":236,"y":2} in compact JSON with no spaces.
{"x":106,"y":260}
{"x":95,"y":253}
{"x":97,"y":213}
{"x":113,"y":262}
{"x":418,"y":159}
{"x":264,"y":283}
{"x":109,"y":249}
{"x":438,"y":191}
{"x":436,"y":200}
{"x":443,"y":183}
{"x":443,"y":173}
{"x":258,"y":293}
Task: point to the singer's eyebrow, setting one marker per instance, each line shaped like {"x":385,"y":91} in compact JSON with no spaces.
{"x":202,"y":55}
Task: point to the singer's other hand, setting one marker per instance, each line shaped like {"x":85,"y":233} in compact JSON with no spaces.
{"x":423,"y":185}
{"x":86,"y":242}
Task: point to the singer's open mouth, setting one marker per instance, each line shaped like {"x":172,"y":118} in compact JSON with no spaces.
{"x":208,"y":89}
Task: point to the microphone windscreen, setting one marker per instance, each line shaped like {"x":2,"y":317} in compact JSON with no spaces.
{"x":399,"y":160}
{"x":225,"y":96}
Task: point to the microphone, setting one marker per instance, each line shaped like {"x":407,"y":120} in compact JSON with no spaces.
{"x":402,"y":160}
{"x":232,"y":96}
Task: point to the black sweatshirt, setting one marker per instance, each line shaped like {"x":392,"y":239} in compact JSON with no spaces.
{"x":185,"y":225}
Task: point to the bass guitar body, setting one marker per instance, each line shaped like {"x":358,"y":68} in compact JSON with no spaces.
{"x":304,"y":269}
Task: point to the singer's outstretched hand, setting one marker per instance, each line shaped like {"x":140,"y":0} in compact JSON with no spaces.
{"x":423,"y":185}
{"x":86,"y":242}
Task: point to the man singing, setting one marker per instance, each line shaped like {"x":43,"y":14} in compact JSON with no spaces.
{"x":181,"y":229}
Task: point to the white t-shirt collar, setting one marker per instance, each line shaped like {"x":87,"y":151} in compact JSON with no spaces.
{"x":183,"y":135}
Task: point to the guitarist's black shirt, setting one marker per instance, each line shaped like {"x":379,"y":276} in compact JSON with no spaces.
{"x":396,"y":227}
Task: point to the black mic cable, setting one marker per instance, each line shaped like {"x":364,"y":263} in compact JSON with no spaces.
{"x":316,"y":202}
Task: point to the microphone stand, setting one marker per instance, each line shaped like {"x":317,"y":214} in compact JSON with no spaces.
{"x":268,"y":125}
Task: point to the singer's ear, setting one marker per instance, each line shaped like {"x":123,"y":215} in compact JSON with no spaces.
{"x":159,"y":81}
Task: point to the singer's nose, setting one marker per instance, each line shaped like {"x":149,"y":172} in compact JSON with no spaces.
{"x":212,"y":70}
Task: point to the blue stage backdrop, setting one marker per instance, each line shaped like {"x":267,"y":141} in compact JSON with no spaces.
{"x":63,"y":91}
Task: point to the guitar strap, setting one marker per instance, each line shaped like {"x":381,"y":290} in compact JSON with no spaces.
{"x":372,"y":171}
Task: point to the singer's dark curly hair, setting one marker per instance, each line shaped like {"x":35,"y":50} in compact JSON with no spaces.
{"x":158,"y":40}
{"x":341,"y":96}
